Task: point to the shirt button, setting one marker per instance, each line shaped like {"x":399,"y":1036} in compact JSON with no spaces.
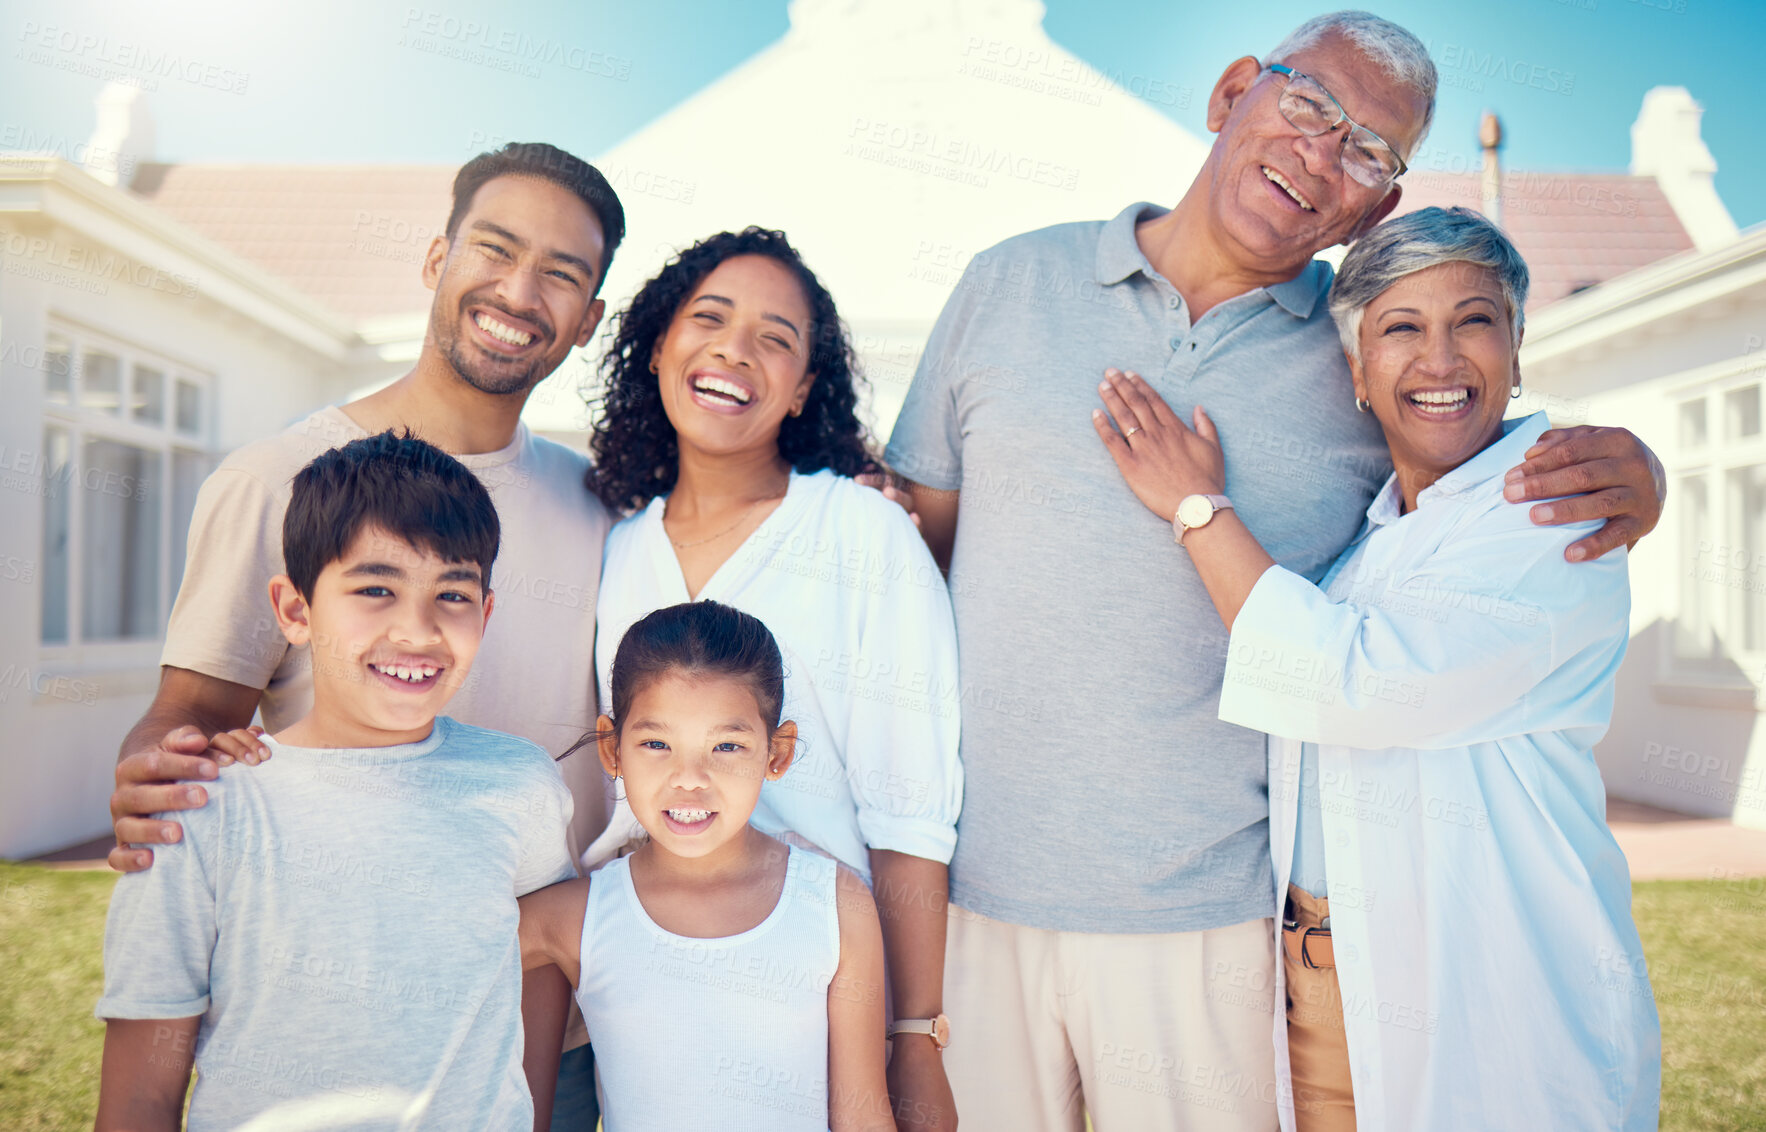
{"x":1176,"y":343}
{"x":1176,"y":302}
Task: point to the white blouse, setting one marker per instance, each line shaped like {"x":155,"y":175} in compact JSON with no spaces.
{"x":1455,"y":673}
{"x":842,"y":578}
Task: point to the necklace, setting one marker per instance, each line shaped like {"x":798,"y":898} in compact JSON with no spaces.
{"x":740,"y":519}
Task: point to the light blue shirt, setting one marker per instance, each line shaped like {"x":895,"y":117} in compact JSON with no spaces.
{"x":344,"y":922}
{"x":1455,"y":673}
{"x":1308,"y":871}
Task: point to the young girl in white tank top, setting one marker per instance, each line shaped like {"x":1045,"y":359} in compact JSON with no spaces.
{"x":728,"y":981}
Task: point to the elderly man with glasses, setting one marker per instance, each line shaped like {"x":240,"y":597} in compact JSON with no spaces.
{"x":1111,"y":944}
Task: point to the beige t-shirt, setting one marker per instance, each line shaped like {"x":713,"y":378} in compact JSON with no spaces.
{"x":535,"y":673}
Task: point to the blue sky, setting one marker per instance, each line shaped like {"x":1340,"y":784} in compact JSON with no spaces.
{"x":330,"y":80}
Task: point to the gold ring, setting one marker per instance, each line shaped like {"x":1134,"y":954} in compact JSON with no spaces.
{"x":1131,"y":432}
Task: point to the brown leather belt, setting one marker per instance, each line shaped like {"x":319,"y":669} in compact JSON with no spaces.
{"x":1309,"y":946}
{"x":1306,"y":929}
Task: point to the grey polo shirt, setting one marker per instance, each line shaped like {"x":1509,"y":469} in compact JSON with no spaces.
{"x":1103,"y":794}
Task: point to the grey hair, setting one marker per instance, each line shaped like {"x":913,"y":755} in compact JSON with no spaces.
{"x":1400,"y":54}
{"x":1416,"y":242}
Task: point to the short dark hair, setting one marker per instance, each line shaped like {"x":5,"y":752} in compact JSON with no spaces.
{"x":699,"y":638}
{"x":635,"y":455}
{"x":548,"y":163}
{"x":407,"y":487}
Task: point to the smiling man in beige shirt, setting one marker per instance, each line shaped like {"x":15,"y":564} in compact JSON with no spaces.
{"x":515,"y":276}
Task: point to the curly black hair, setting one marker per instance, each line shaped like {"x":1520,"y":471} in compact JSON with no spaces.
{"x":636,"y":456}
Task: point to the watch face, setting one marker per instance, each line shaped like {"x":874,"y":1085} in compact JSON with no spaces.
{"x":1194,"y":510}
{"x":941,"y":1031}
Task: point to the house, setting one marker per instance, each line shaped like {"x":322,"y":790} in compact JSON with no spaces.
{"x":154,"y":316}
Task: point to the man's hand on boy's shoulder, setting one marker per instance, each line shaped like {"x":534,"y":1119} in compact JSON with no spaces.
{"x":167,"y":749}
{"x":156,"y":779}
{"x":152,"y":780}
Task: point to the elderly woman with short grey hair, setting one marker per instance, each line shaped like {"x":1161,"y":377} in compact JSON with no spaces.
{"x":1458,"y":948}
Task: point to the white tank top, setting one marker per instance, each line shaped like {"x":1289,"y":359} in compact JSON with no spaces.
{"x":728,"y":1033}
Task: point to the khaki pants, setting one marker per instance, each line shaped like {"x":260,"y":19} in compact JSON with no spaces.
{"x":1318,"y":1049}
{"x":1147,"y":1033}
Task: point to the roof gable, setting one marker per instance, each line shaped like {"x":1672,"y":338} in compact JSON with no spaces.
{"x":1574,"y":229}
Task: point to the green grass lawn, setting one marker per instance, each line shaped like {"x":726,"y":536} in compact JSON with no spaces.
{"x":51,"y":963}
{"x":1706,"y":942}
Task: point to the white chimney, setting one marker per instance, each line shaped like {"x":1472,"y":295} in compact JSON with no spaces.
{"x":1490,"y":141}
{"x":124,"y":137}
{"x":1665,"y":144}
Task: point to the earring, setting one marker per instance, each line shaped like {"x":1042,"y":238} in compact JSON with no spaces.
{"x":1362,"y":406}
{"x":1515,"y":393}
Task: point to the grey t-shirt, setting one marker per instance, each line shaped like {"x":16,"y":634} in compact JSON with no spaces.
{"x":1103,"y":794}
{"x":344,"y":921}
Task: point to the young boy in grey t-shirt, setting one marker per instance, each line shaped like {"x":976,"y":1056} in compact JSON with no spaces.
{"x":333,"y":942}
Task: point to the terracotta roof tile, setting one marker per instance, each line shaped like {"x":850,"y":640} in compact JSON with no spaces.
{"x":352,"y":237}
{"x":1576,"y":229}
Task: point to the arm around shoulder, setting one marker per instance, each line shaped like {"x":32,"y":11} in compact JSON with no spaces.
{"x":938,"y":520}
{"x":552,"y":927}
{"x":1593,"y":472}
{"x":858,"y":1093}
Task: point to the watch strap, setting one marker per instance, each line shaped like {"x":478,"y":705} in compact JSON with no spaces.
{"x":937,"y":1028}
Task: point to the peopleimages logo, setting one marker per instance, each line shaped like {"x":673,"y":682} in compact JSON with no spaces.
{"x":87,"y":268}
{"x":23,"y":139}
{"x":504,"y":48}
{"x":99,"y":56}
{"x":32,"y":472}
{"x":1467,"y":67}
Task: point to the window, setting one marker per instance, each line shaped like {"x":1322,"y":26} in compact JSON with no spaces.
{"x":100,"y":382}
{"x":1741,"y":413}
{"x":58,"y":369}
{"x":1694,"y":634}
{"x":124,"y":450}
{"x":1720,"y":497}
{"x":56,"y":552}
{"x":1692,"y":424}
{"x":1747,"y":524}
{"x":149,"y":401}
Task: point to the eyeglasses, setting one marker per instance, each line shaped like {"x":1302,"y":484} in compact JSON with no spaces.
{"x":1312,"y":110}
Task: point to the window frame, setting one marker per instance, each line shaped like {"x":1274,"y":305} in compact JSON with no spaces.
{"x":164,"y":440}
{"x":1716,"y":460}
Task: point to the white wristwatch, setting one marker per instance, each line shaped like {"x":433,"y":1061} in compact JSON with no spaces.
{"x":1194,"y":511}
{"x":937,"y":1028}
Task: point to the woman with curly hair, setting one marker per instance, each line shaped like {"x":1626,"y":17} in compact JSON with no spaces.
{"x":729,"y":437}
